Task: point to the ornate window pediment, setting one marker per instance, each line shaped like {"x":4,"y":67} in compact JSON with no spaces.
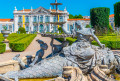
{"x":40,"y":10}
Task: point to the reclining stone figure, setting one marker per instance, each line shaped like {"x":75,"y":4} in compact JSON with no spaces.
{"x":38,"y":57}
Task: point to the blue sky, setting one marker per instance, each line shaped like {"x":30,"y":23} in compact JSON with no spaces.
{"x":73,"y":6}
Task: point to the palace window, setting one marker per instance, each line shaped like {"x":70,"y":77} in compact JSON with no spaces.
{"x":10,"y":28}
{"x":47,"y":19}
{"x":68,"y":27}
{"x":55,"y":29}
{"x":41,"y":18}
{"x":27,"y":19}
{"x":27,"y":28}
{"x":48,"y":28}
{"x":60,"y":19}
{"x":54,"y":19}
{"x":35,"y":28}
{"x":20,"y":19}
{"x":34,"y":19}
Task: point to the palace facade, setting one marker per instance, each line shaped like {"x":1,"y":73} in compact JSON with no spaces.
{"x":43,"y":20}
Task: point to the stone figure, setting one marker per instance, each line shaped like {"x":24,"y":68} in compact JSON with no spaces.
{"x":80,"y":54}
{"x":58,"y":48}
{"x":40,"y":53}
{"x":38,"y":57}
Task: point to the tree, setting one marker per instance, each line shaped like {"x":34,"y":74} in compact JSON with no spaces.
{"x":100,"y":19}
{"x":21,"y":30}
{"x":80,"y":16}
{"x":88,"y":26}
{"x":117,"y":14}
{"x":75,"y":17}
{"x":71,"y":16}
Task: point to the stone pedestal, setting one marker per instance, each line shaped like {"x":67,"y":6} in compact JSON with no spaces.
{"x":7,"y":46}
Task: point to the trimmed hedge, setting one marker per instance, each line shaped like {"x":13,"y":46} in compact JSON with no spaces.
{"x":22,"y":44}
{"x":15,"y":37}
{"x":1,"y":37}
{"x":117,"y":14}
{"x":2,"y":48}
{"x":100,"y":19}
{"x":112,"y":41}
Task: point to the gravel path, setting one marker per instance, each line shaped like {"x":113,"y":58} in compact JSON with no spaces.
{"x":31,"y":49}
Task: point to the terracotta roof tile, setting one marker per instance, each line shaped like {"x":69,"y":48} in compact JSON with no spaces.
{"x":6,"y":20}
{"x":112,"y":15}
{"x":78,"y":19}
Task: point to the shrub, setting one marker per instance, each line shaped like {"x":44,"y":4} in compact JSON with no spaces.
{"x":22,"y":44}
{"x":117,"y":14}
{"x":21,"y":30}
{"x":112,"y":42}
{"x":60,"y":30}
{"x":2,"y":48}
{"x":100,"y":19}
{"x":1,"y":37}
{"x":88,"y":26}
{"x":75,"y":17}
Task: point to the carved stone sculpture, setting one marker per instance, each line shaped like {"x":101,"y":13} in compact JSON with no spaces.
{"x":75,"y":74}
{"x":38,"y":57}
{"x":58,"y":48}
{"x":80,"y":54}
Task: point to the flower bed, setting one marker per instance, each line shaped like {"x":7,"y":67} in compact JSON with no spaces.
{"x":22,"y":44}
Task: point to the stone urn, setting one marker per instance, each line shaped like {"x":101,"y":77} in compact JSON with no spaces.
{"x":5,"y":35}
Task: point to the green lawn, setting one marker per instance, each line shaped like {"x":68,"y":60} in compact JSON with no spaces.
{"x":18,"y":42}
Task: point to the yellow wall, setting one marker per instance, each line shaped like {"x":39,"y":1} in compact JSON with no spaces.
{"x":58,"y":20}
{"x":23,"y":21}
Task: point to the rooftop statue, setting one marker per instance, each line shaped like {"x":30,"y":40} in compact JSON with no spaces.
{"x":80,"y":54}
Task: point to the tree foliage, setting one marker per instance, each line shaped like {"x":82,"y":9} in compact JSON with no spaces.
{"x":88,"y":26}
{"x":117,"y":14}
{"x":100,"y":19}
{"x":22,"y":30}
{"x":75,"y":17}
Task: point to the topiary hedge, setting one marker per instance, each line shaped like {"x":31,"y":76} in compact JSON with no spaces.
{"x":22,"y":44}
{"x":21,"y":30}
{"x":100,"y":19}
{"x":117,"y":14}
{"x":2,"y":48}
